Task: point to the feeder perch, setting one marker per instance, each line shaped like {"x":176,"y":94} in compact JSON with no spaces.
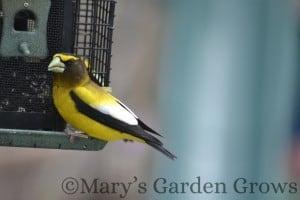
{"x":31,"y":31}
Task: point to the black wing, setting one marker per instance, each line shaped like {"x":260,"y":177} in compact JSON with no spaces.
{"x":134,"y":130}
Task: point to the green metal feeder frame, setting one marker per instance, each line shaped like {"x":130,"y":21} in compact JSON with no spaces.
{"x":31,"y":31}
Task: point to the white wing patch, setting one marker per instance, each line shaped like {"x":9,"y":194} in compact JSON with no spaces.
{"x":118,"y":112}
{"x":122,"y":104}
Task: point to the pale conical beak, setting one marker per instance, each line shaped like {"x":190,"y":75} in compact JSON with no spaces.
{"x":56,"y":65}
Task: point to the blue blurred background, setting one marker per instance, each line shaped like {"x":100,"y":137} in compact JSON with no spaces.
{"x":217,"y":78}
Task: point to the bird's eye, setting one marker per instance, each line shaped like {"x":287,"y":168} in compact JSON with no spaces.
{"x":70,"y":62}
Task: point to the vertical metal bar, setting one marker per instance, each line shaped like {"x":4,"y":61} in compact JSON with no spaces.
{"x":102,"y":42}
{"x":69,"y":24}
{"x":109,"y":46}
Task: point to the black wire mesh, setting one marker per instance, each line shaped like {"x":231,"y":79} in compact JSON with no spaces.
{"x":25,"y":84}
{"x":93,"y":30}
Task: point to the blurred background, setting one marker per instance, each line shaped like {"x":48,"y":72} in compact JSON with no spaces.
{"x":217,"y":78}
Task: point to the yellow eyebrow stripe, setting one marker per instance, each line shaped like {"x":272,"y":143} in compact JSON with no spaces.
{"x":65,"y":57}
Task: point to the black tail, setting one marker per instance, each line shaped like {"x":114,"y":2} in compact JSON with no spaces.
{"x":159,"y":147}
{"x":147,"y":128}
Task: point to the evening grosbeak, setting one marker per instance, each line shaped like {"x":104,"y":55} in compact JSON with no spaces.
{"x":90,"y":109}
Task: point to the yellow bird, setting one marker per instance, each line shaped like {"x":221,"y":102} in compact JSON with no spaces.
{"x":92,"y":110}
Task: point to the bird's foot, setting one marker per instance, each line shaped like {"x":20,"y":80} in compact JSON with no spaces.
{"x":74,"y":133}
{"x":127,"y":140}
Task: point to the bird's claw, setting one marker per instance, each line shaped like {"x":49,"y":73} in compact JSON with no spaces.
{"x":74,"y":133}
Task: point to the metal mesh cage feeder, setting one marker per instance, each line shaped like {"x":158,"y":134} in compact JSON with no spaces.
{"x":31,"y":31}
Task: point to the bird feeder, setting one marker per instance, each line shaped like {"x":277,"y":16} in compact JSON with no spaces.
{"x":31,"y":31}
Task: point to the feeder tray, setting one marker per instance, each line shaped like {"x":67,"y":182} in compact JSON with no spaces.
{"x":31,"y":31}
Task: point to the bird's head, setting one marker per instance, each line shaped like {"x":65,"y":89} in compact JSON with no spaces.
{"x":69,"y":66}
